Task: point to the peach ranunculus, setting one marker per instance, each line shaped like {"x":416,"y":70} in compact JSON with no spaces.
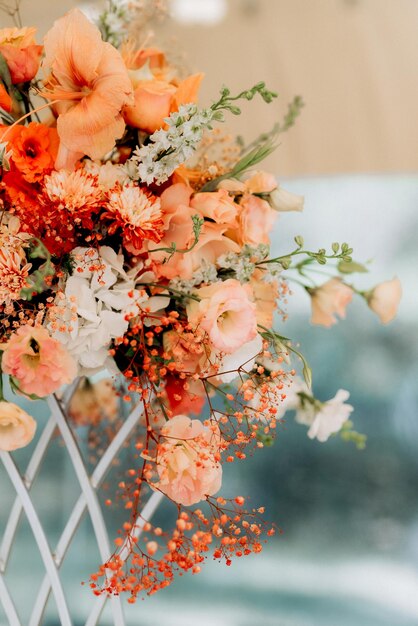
{"x":156,"y":95}
{"x":217,"y":206}
{"x":17,"y":428}
{"x":384,"y":299}
{"x":255,"y":220}
{"x":38,"y":363}
{"x":178,"y":225}
{"x":254,"y":182}
{"x":188,"y":460}
{"x":266,"y":184}
{"x":21,"y":53}
{"x":329,"y":299}
{"x":90,"y":81}
{"x":225,"y":312}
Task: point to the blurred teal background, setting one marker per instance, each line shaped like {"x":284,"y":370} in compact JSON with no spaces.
{"x":348,"y":555}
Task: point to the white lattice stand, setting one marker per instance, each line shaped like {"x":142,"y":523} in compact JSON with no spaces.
{"x":53,"y":557}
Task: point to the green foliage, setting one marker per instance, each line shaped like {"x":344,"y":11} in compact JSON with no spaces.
{"x":37,"y":280}
{"x":225,"y":102}
{"x":351,"y":267}
{"x":348,"y":434}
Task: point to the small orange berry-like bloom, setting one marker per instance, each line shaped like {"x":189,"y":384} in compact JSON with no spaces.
{"x":34,"y":150}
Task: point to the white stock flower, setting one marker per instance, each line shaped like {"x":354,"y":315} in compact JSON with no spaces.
{"x":167,"y":149}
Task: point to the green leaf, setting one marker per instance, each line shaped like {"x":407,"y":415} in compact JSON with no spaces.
{"x":346,"y":267}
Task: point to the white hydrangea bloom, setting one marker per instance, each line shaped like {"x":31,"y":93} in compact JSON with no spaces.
{"x":95,"y":305}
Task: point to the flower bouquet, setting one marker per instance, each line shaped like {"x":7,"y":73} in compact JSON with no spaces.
{"x":135,"y":241}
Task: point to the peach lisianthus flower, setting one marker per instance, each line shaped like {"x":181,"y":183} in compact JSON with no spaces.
{"x":91,"y":83}
{"x":17,"y":428}
{"x":21,"y":53}
{"x":225,"y":312}
{"x":260,"y":182}
{"x":188,"y":460}
{"x":384,"y":299}
{"x":39,"y":363}
{"x":254,"y":182}
{"x":328,"y":300}
{"x":217,"y":206}
{"x":255,"y":220}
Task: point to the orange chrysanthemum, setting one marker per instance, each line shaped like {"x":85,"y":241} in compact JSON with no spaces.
{"x":69,"y":202}
{"x":137,"y":213}
{"x":13,"y":276}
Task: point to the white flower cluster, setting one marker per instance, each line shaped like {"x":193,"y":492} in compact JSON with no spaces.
{"x":95,"y":305}
{"x":115,"y":20}
{"x":170,"y":148}
{"x":243,"y":263}
{"x":207,"y":273}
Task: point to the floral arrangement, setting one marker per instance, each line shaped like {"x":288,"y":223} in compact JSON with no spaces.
{"x":127,"y":247}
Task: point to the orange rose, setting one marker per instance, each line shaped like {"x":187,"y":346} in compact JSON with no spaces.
{"x":152,"y":104}
{"x":33,"y":150}
{"x":6,"y":102}
{"x":22,"y":54}
{"x":155,"y":95}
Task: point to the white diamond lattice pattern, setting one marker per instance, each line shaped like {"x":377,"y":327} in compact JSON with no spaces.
{"x":87,"y":502}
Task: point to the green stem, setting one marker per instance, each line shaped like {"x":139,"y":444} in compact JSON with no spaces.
{"x":171,"y":289}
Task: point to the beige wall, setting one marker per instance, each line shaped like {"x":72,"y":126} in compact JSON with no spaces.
{"x":355,"y":62}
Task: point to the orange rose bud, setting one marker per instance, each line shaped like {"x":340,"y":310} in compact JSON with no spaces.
{"x":6,"y":102}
